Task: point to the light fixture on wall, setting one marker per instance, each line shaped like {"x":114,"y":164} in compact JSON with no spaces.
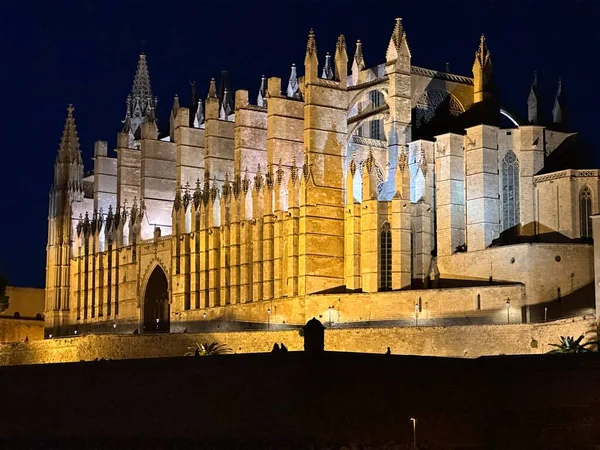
{"x":268,"y":319}
{"x":508,"y":311}
{"x":75,"y":332}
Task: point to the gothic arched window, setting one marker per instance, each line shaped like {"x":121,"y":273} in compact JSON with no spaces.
{"x":585,"y":212}
{"x":385,"y":247}
{"x":510,"y":191}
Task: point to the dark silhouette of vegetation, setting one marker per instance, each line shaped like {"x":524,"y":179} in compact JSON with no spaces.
{"x":205,"y":349}
{"x":571,"y":345}
{"x":3,"y":296}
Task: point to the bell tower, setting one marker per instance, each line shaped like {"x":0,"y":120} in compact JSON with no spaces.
{"x":66,"y":189}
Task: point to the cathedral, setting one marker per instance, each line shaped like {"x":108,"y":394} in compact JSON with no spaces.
{"x":357,"y":194}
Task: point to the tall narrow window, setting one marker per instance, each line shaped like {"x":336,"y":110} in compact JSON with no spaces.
{"x":510,"y":191}
{"x":386,"y":257}
{"x":585,"y":212}
{"x":376,"y":99}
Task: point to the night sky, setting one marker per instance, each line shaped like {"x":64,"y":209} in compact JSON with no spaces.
{"x":85,"y":52}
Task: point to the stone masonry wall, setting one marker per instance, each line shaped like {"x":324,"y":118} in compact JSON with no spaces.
{"x":457,"y":341}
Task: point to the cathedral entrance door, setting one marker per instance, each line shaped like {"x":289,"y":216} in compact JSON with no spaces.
{"x":156,"y":303}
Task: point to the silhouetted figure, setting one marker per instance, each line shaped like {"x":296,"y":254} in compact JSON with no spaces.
{"x":197,"y":352}
{"x":283,"y":347}
{"x":185,"y":330}
{"x":136,"y":331}
{"x":389,"y":351}
{"x":275,"y":348}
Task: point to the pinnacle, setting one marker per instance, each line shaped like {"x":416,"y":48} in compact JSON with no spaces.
{"x":482,"y":55}
{"x":311,"y":45}
{"x":69,"y":144}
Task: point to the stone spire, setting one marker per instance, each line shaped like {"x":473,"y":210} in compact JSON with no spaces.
{"x":198,"y":116}
{"x":141,"y":103}
{"x":262,"y":92}
{"x":398,"y":45}
{"x":341,"y":60}
{"x":212,"y":89}
{"x":358,"y":63}
{"x":225,"y":109}
{"x":559,"y":117}
{"x":482,"y":72}
{"x":293,"y":89}
{"x":311,"y":62}
{"x":69,"y":151}
{"x":327,"y":68}
{"x":533,"y":102}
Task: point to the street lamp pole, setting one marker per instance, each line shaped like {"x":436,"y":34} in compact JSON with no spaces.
{"x":545,"y":314}
{"x":508,"y":311}
{"x":204,"y":316}
{"x":330,"y":316}
{"x":268,"y":319}
{"x":414,"y":422}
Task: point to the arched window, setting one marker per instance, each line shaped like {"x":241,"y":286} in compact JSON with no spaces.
{"x":385,"y":247}
{"x":585,"y":212}
{"x":375,"y":126}
{"x":510,"y":191}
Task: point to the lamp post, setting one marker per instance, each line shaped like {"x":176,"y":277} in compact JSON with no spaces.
{"x":268,"y":319}
{"x":414,"y":423}
{"x":545,"y":314}
{"x":508,"y":311}
{"x":157,"y":322}
{"x":204,"y":316}
{"x":330,"y":315}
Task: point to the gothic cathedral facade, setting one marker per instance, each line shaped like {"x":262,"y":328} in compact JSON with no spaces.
{"x":375,"y":181}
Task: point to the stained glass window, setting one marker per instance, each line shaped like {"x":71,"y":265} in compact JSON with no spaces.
{"x":386,"y":257}
{"x":510,"y":191}
{"x":585,"y":212}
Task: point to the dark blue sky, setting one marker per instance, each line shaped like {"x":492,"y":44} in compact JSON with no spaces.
{"x":85,"y":52}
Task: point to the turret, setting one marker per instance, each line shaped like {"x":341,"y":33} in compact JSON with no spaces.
{"x":398,"y":52}
{"x":482,"y":72}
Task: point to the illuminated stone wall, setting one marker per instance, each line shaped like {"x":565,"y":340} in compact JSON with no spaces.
{"x":27,"y":302}
{"x":456,"y":341}
{"x":17,"y":330}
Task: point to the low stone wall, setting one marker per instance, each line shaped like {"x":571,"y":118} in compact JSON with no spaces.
{"x":455,"y":341}
{"x":17,"y":330}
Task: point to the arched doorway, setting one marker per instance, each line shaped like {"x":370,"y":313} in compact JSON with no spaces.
{"x":156,"y":303}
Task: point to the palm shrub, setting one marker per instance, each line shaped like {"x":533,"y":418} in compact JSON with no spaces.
{"x":205,"y":349}
{"x":571,"y":345}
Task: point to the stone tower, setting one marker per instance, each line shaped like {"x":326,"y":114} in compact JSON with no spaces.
{"x":66,"y":189}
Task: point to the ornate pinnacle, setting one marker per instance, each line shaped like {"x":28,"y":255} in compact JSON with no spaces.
{"x":226,"y":189}
{"x":197,"y":194}
{"x":293,"y":87}
{"x":187,"y":198}
{"x":398,"y":33}
{"x":213,"y":189}
{"x":352,"y":166}
{"x":294,"y":171}
{"x":311,"y":47}
{"x":246,"y":182}
{"x":176,"y":202}
{"x":358,"y":56}
{"x":279,"y":173}
{"x":423,"y":163}
{"x":212,"y":89}
{"x":327,"y":68}
{"x":262,"y":92}
{"x":482,"y":55}
{"x":306,"y":167}
{"x":340,"y":46}
{"x":403,"y":161}
{"x":258,"y":179}
{"x":370,"y":162}
{"x":269,"y":176}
